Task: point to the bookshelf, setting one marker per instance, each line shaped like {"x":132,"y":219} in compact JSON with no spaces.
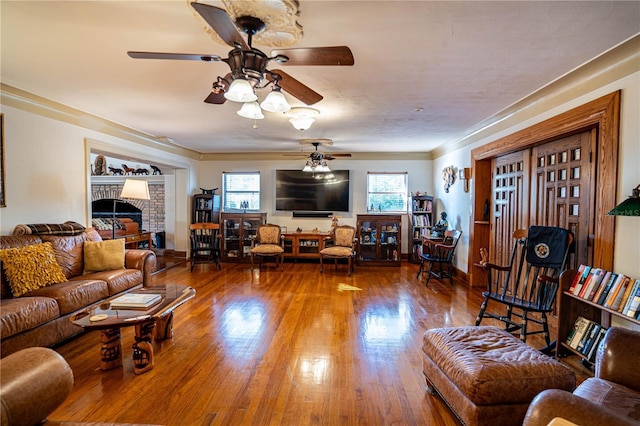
{"x":420,"y":221}
{"x":571,"y":306}
{"x":206,"y":208}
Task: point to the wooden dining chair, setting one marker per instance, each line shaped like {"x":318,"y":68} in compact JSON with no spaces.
{"x":441,"y":254}
{"x":204,"y":243}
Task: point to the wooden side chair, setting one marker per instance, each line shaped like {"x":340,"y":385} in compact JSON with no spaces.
{"x":440,"y":254}
{"x":344,"y":240}
{"x":204,"y":243}
{"x":529,"y":283}
{"x":268,"y":242}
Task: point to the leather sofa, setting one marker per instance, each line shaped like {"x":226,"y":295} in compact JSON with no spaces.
{"x":612,"y":397}
{"x":41,"y":317}
{"x":35,"y":381}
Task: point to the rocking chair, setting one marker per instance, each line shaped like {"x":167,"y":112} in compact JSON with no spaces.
{"x":529,"y":283}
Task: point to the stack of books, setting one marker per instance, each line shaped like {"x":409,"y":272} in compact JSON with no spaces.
{"x":585,"y":336}
{"x":135,"y":301}
{"x":613,"y":291}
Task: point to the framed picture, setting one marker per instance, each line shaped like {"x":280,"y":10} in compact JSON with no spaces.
{"x":2,"y":199}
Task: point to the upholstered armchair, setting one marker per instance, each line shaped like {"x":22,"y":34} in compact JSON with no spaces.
{"x":344,"y":238}
{"x":268,"y":242}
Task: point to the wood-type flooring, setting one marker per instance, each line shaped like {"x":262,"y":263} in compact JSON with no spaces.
{"x":280,"y":348}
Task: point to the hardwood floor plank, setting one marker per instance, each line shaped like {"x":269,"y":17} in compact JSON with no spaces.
{"x":265,"y":347}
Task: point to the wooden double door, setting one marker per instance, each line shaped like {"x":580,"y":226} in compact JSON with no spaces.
{"x":552,"y":184}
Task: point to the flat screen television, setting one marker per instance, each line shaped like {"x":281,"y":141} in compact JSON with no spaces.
{"x":300,"y":191}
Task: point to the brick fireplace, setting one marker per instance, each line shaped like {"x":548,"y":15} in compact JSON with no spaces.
{"x":153,"y":210}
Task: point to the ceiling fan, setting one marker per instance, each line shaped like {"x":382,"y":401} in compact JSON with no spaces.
{"x":248,"y":64}
{"x":320,"y":156}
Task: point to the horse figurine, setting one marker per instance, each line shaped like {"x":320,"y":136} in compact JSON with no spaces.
{"x":156,"y":170}
{"x":128,"y":170}
{"x":115,"y":171}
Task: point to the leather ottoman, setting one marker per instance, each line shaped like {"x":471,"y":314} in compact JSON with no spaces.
{"x":486,"y":375}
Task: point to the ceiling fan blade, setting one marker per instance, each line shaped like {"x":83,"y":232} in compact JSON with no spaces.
{"x":180,"y":56}
{"x":333,"y":154}
{"x":219,"y":88}
{"x":296,"y":88}
{"x":336,"y":55}
{"x":215,"y":98}
{"x":221,"y":22}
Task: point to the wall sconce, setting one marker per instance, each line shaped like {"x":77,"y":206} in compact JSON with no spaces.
{"x":465,"y":174}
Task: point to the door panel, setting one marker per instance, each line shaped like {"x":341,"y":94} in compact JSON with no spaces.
{"x":562,"y":193}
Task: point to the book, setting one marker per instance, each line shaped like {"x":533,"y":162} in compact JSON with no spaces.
{"x":575,"y":289}
{"x":628,"y":296}
{"x":634,"y":303}
{"x":586,"y":336}
{"x":622,"y":290}
{"x":136,"y":300}
{"x":613,"y":293}
{"x":577,"y":277}
{"x":576,"y":334}
{"x":601,"y":287}
{"x":595,"y":276}
{"x":591,"y":355}
{"x":589,"y":339}
{"x":607,"y":289}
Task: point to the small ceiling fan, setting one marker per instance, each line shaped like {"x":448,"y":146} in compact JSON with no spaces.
{"x":318,"y":156}
{"x":250,"y":64}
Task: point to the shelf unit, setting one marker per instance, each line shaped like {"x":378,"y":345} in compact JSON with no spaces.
{"x":304,"y":245}
{"x":421,"y":215}
{"x":379,"y":239}
{"x":238,"y":230}
{"x":570,"y":307}
{"x":206,"y":208}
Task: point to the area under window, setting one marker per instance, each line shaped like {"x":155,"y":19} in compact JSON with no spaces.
{"x":241,"y":191}
{"x":387,"y":192}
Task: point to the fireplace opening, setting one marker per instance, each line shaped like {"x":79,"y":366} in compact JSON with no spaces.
{"x":103,"y":209}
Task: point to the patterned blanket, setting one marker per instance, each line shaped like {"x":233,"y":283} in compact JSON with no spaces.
{"x":67,"y":228}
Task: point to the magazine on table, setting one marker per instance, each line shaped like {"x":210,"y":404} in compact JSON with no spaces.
{"x":136,"y":300}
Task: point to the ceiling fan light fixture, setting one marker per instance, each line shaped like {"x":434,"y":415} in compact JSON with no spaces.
{"x":275,"y":102}
{"x":251,"y":110}
{"x":302,"y":123}
{"x":307,"y":167}
{"x":302,"y":118}
{"x":240,"y":90}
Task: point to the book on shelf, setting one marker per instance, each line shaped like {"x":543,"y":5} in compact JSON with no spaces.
{"x":631,"y":308}
{"x":577,"y":332}
{"x":601,"y":287}
{"x":590,"y":333}
{"x":136,"y":301}
{"x":593,"y":281}
{"x":634,"y":307}
{"x":607,"y":289}
{"x":613,"y":293}
{"x":619,"y":295}
{"x":591,"y":353}
{"x":579,"y":280}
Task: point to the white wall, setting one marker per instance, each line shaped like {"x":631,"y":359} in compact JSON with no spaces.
{"x":47,"y":172}
{"x":419,"y":171}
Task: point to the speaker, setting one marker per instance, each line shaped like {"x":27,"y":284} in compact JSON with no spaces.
{"x":312,"y":214}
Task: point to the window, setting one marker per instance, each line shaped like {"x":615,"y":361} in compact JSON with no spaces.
{"x":387,"y":192}
{"x":241,"y":191}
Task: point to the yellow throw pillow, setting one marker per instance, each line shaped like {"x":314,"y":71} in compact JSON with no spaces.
{"x":31,"y":267}
{"x":103,"y":255}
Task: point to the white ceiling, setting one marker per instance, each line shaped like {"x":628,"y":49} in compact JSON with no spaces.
{"x":425,"y":72}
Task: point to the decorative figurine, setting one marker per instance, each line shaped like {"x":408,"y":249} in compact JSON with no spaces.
{"x":440,"y":227}
{"x":449,"y":176}
{"x":156,"y":170}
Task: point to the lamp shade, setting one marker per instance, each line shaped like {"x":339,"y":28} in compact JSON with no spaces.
{"x":135,"y":189}
{"x":302,"y":123}
{"x":629,"y":207}
{"x":240,"y":90}
{"x":275,"y":102}
{"x":251,"y":110}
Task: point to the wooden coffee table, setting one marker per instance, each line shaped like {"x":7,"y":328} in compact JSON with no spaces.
{"x":158,"y":317}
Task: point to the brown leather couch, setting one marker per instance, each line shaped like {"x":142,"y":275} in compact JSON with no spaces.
{"x":612,"y":397}
{"x":41,"y":317}
{"x":35,"y":381}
